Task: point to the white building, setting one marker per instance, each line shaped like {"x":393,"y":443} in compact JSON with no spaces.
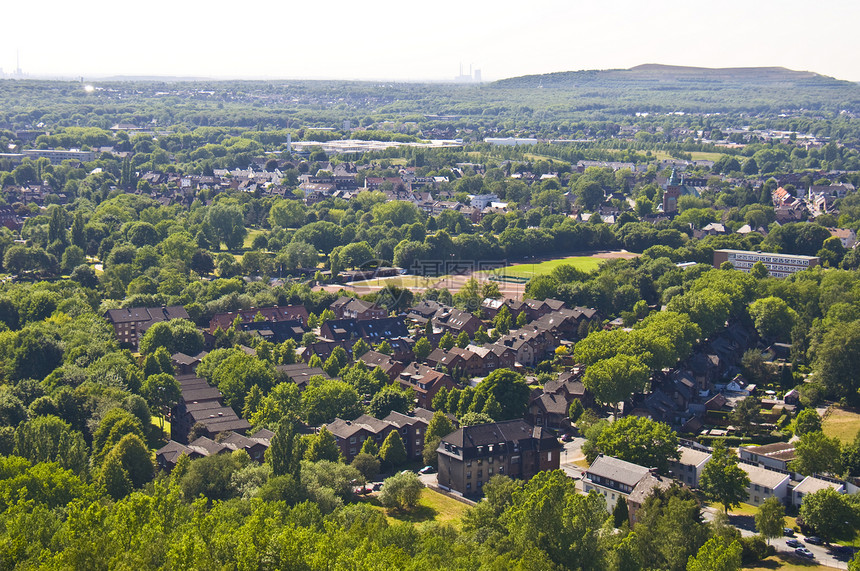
{"x":510,"y":141}
{"x":765,"y":483}
{"x":613,"y":478}
{"x":810,"y":485}
{"x":688,"y":468}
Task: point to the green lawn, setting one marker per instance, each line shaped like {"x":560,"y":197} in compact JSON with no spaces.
{"x":528,"y":270}
{"x":249,"y":237}
{"x":398,"y":281}
{"x":842,"y":423}
{"x":784,"y":562}
{"x":696,"y":155}
{"x":432,"y":506}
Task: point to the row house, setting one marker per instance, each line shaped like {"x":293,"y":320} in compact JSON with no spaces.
{"x":351,"y":308}
{"x":200,"y":403}
{"x":300,"y":373}
{"x":373,"y":330}
{"x":457,"y":321}
{"x":457,"y":359}
{"x":255,"y":445}
{"x":495,"y":356}
{"x":131,"y":323}
{"x":425,"y":382}
{"x":391,"y":367}
{"x":351,"y":434}
{"x":271,"y":314}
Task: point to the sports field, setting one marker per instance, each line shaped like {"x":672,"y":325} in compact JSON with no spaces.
{"x":529,"y":270}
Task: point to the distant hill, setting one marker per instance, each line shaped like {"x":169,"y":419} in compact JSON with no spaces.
{"x":652,"y":72}
{"x":658,"y":87}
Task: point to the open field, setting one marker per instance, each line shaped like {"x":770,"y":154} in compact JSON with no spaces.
{"x":587,"y":263}
{"x":842,"y":423}
{"x":785,"y":562}
{"x":249,"y":238}
{"x":432,"y":506}
{"x":398,"y":281}
{"x":697,"y":155}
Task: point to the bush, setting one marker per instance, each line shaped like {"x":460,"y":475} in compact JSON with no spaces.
{"x":401,"y":491}
{"x":755,"y":549}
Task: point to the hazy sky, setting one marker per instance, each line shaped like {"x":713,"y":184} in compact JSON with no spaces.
{"x":387,"y":39}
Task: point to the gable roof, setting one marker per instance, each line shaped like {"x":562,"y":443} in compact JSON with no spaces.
{"x":618,"y":470}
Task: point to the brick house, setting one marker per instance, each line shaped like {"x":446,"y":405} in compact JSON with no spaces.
{"x":471,"y":455}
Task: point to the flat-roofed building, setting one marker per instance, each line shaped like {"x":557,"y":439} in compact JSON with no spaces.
{"x":778,"y":265}
{"x":765,"y":483}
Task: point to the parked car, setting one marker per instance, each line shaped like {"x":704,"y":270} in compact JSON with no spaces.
{"x":793,"y":543}
{"x":427,"y":470}
{"x":814,"y":540}
{"x":804,"y":552}
{"x":788,"y":532}
{"x":567,"y":438}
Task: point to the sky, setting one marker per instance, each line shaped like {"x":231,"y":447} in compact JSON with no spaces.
{"x":402,"y":40}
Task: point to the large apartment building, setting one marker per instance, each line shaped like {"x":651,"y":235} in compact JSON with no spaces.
{"x":470,"y":456}
{"x":778,"y":265}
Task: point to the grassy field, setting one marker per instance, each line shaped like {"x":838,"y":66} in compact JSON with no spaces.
{"x":432,"y":506}
{"x":399,"y":281}
{"x":697,"y":155}
{"x":249,"y":237}
{"x":584,"y":263}
{"x":784,"y":562}
{"x":842,"y":423}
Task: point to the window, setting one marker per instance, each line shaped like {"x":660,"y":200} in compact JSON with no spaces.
{"x":767,"y":490}
{"x":490,"y":472}
{"x":549,"y":456}
{"x":501,"y":469}
{"x":480,"y":473}
{"x":468,"y":485}
{"x":490,"y":460}
{"x":757,"y":489}
{"x":352,"y":451}
{"x":480,"y":484}
{"x":613,"y":496}
{"x":352,"y":439}
{"x":468,"y":474}
{"x":469,"y":464}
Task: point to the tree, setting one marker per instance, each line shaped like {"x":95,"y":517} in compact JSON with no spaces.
{"x":447,"y":341}
{"x":367,"y":464}
{"x":228,"y":223}
{"x":113,"y":478}
{"x":770,"y":518}
{"x":773,"y":318}
{"x":360,"y":348}
{"x":575,"y":410}
{"x":502,"y":321}
{"x":837,"y":359}
{"x":640,"y":440}
{"x":826,"y":511}
{"x":284,"y":454}
{"x":114,"y":425}
{"x":392,"y":453}
{"x":722,"y":479}
{"x":508,"y":389}
{"x":474,"y":419}
{"x":161,"y":391}
{"x":176,"y":336}
{"x":463,"y":340}
{"x":283,"y":403}
{"x":157,"y":362}
{"x":287,"y":214}
{"x":816,"y":453}
{"x":322,"y":446}
{"x":621,"y":514}
{"x":389,"y":399}
{"x":422,"y":349}
{"x":369,"y":447}
{"x":440,"y":425}
{"x":746,"y":413}
{"x":807,"y":421}
{"x":135,"y":458}
{"x":401,"y":491}
{"x":211,"y":477}
{"x":717,"y":555}
{"x":49,"y":439}
{"x":616,"y":378}
{"x":325,"y":400}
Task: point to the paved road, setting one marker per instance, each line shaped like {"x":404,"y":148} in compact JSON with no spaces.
{"x":823,"y":556}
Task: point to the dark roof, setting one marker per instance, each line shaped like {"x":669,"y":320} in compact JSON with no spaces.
{"x":499,"y":432}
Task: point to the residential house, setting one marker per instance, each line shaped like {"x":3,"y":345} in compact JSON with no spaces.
{"x":642,"y":490}
{"x":131,"y":323}
{"x":765,"y":483}
{"x":300,"y":373}
{"x":351,"y":308}
{"x":389,"y":366}
{"x":200,"y":403}
{"x":371,"y":330}
{"x":351,"y":434}
{"x":255,"y":445}
{"x":186,"y":364}
{"x":412,"y":428}
{"x":812,"y":484}
{"x":777,"y":455}
{"x":471,"y":455}
{"x":425,"y":382}
{"x":277,"y":313}
{"x":549,"y":410}
{"x":457,"y":321}
{"x":613,"y":478}
{"x":687,"y":469}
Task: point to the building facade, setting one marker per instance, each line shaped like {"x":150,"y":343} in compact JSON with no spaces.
{"x":470,"y":456}
{"x":778,"y":265}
